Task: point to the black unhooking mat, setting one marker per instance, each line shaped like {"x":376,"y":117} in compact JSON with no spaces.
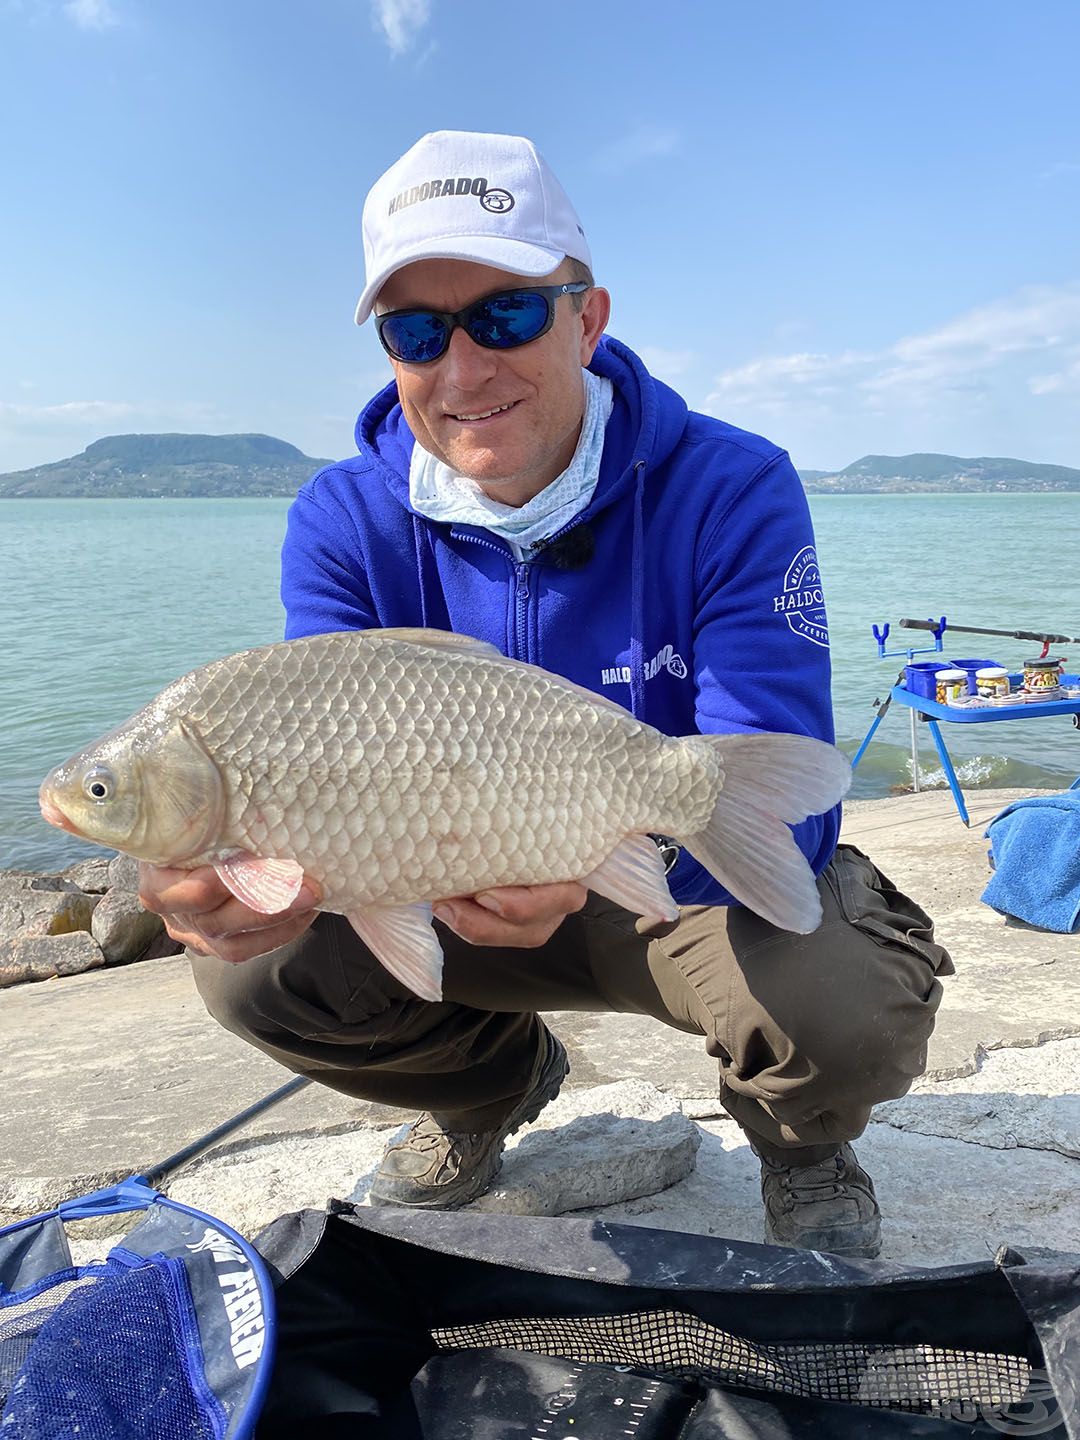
{"x":397,"y":1325}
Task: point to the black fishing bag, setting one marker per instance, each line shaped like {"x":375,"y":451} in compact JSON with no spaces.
{"x":413,"y":1326}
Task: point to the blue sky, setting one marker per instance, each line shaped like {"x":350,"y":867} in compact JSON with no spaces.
{"x":854,"y":227}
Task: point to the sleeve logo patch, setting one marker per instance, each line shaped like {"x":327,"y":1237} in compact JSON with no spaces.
{"x":801,"y":602}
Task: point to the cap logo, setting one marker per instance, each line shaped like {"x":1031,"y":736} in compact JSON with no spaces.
{"x":498,"y":202}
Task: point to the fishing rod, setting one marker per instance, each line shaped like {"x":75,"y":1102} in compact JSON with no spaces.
{"x":938,"y":627}
{"x":155,"y":1174}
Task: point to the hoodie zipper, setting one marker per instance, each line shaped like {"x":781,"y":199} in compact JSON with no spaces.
{"x":519,"y":571}
{"x":521,"y":610}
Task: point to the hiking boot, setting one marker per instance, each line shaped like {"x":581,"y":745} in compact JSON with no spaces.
{"x":433,"y":1168}
{"x":828,"y":1206}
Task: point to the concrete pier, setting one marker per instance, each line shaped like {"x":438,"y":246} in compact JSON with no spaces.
{"x":106,"y":1073}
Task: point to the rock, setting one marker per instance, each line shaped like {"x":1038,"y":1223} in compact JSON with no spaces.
{"x":600,"y":1146}
{"x":124,"y":873}
{"x":31,"y":914}
{"x":11,"y":918}
{"x":123,"y":928}
{"x":43,"y":957}
{"x":90,"y":876}
{"x":16,"y":881}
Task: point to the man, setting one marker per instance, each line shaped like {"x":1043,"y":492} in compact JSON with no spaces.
{"x":527,"y":482}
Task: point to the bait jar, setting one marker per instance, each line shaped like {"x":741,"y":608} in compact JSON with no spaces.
{"x":1042,"y":675}
{"x":950,"y":685}
{"x":992,"y":683}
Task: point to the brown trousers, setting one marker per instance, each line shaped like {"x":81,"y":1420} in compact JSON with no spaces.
{"x":810,"y":1031}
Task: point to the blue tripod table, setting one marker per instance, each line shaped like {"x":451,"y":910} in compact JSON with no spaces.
{"x":932,"y":712}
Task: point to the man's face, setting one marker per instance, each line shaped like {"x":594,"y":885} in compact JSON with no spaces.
{"x":536,"y":390}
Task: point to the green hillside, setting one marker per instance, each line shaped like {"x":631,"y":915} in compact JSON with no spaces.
{"x":944,"y":474}
{"x":169,"y":466}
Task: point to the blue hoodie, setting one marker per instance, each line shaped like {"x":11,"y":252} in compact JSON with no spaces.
{"x":700,"y":608}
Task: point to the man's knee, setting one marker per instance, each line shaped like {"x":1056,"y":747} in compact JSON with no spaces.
{"x":303,"y":989}
{"x":850,"y":1007}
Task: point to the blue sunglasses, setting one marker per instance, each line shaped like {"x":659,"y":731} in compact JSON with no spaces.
{"x":498,"y":322}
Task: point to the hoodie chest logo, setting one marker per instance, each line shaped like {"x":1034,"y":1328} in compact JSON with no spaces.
{"x":801,"y":601}
{"x":666,"y":658}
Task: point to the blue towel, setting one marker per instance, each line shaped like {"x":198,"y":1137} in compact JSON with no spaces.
{"x":1035,"y":848}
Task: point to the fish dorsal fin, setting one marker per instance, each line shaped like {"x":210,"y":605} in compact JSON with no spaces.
{"x":437,"y":640}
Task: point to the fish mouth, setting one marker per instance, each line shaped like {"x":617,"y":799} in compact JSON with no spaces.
{"x":55,"y":816}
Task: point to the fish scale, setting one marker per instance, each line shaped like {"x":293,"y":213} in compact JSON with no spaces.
{"x":448,"y":729}
{"x":399,"y":767}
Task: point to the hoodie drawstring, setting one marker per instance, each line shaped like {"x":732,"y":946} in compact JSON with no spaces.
{"x":637,"y":604}
{"x":419,"y":547}
{"x":427,"y":571}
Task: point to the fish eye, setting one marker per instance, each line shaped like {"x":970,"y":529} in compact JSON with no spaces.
{"x":99,"y":783}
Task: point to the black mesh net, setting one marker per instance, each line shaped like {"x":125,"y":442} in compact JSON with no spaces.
{"x":923,"y":1379}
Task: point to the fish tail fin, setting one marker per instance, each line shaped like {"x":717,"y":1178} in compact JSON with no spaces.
{"x":764,"y":784}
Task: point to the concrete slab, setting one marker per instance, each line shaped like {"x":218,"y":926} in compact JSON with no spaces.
{"x":1014,"y":985}
{"x":947,"y":1198}
{"x":106,"y":1073}
{"x":952,"y":1188}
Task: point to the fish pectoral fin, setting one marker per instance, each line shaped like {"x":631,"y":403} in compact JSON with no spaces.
{"x":401,"y":939}
{"x":268,"y":886}
{"x":633,"y":876}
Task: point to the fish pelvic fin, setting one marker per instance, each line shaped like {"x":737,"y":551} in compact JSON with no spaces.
{"x":633,"y":876}
{"x":402,"y":940}
{"x":767,"y":783}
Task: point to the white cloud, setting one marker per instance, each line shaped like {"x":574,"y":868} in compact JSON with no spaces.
{"x":1000,"y":374}
{"x":400,"y":21}
{"x":1066,"y":379}
{"x":33,"y":435}
{"x":1035,"y":324}
{"x":90,"y":14}
{"x":646,"y":142}
{"x":73,"y":414}
{"x":775,"y":380}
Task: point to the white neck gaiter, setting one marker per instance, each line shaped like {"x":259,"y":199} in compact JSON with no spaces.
{"x":440,"y":493}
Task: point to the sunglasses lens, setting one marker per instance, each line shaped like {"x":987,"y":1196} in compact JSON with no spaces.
{"x":415,"y":337}
{"x":513,"y":318}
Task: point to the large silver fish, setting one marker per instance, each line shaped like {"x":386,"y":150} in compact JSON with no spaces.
{"x":399,"y":767}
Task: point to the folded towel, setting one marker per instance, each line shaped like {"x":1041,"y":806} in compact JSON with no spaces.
{"x":1035,"y":847}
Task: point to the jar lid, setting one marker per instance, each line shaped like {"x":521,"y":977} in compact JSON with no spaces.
{"x":1047,"y":664}
{"x":991,"y":672}
{"x":950,"y":675}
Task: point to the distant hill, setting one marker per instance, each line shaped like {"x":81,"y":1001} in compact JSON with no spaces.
{"x":223,"y":465}
{"x":169,"y":465}
{"x":941,"y":474}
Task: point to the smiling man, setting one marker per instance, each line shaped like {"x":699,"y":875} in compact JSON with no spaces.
{"x":526,"y":481}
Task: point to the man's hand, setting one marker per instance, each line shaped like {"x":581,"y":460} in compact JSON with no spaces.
{"x":518,"y":916}
{"x":201,"y":913}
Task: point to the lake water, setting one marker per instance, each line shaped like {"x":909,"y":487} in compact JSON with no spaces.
{"x":104,"y":601}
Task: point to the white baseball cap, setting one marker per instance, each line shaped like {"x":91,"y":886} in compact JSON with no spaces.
{"x":462,"y":195}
